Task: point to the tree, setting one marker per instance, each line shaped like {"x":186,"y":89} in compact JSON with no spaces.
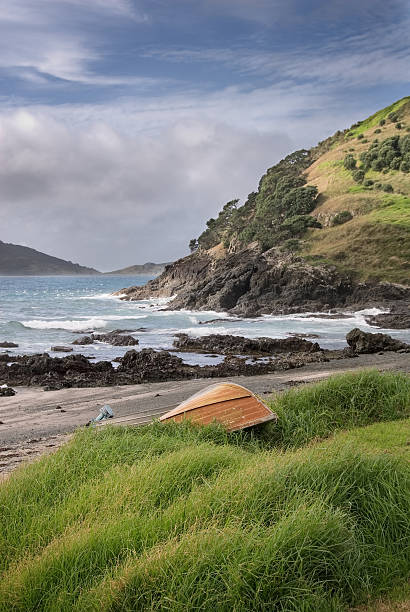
{"x":193,"y":245}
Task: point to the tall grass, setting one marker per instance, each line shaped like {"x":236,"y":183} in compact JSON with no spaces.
{"x":341,"y":402}
{"x":185,"y":518}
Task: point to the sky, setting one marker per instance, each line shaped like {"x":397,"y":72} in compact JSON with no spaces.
{"x":126,"y":124}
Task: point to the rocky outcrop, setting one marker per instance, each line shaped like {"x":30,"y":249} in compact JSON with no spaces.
{"x":56,"y":372}
{"x":393,"y":320}
{"x":115,"y":338}
{"x":8,"y":345}
{"x":148,"y":365}
{"x":363,"y":342}
{"x":140,"y":366}
{"x":226,"y":345}
{"x":250,"y":283}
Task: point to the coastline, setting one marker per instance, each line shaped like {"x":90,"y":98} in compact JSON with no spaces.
{"x":34,"y":422}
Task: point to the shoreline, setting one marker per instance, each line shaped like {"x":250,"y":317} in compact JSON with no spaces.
{"x":34,"y":421}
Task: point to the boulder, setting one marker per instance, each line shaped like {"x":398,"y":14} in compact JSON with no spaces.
{"x":363,"y":342}
{"x":115,"y":338}
{"x":6,"y":344}
{"x":61,"y":349}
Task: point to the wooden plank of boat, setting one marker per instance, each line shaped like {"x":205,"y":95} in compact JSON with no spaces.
{"x":230,"y":404}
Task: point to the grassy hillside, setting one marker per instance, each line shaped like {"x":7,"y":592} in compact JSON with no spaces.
{"x":345,"y":202}
{"x":302,"y":515}
{"x":375,"y":243}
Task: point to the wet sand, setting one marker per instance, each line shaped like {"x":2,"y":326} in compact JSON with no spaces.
{"x":34,"y":421}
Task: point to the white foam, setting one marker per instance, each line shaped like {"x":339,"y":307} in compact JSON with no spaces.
{"x":76,"y":325}
{"x":100,"y":296}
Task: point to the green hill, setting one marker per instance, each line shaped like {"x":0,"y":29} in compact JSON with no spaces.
{"x":344,"y":202}
{"x":310,"y":513}
{"x":17,"y":260}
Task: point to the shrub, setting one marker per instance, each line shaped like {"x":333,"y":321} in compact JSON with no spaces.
{"x":360,"y":136}
{"x":378,"y":131}
{"x":377,"y":165}
{"x":349,"y":162}
{"x":358,"y":175}
{"x":399,"y":126}
{"x":382,"y":122}
{"x":292,"y":245}
{"x":393,"y":117}
{"x":387,"y":187}
{"x":368,"y":183}
{"x":342,"y":217}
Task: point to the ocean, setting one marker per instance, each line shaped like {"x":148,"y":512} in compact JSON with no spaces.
{"x":38,"y":312}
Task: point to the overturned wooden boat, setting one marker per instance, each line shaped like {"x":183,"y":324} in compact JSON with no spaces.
{"x":230,"y":404}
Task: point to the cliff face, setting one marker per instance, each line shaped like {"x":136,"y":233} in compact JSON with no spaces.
{"x":251,"y":283}
{"x":16,"y":260}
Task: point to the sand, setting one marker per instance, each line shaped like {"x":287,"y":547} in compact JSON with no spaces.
{"x":35,"y":421}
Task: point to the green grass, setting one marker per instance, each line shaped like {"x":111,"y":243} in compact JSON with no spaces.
{"x":358,"y":189}
{"x":306,"y":514}
{"x":395,"y":211}
{"x":373,"y":120}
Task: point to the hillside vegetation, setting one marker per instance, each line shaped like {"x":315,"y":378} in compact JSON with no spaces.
{"x":300,"y":515}
{"x":345,"y":202}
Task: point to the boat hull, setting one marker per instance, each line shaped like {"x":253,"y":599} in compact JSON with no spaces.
{"x":232,"y":405}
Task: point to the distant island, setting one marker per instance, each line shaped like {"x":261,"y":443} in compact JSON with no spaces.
{"x":146,"y":268}
{"x":17,"y":260}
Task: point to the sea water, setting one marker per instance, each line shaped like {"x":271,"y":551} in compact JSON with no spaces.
{"x":38,"y":312}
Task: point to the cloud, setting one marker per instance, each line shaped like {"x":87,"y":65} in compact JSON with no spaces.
{"x":108,"y":200}
{"x":57,"y":38}
{"x":380,"y":55}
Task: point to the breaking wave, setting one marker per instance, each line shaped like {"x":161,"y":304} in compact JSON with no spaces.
{"x":77,"y":325}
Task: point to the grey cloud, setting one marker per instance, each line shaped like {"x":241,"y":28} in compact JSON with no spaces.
{"x":106,"y":200}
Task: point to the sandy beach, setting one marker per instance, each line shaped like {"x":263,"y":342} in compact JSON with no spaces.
{"x":35,"y":421}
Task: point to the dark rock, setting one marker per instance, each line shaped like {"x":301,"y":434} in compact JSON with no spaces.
{"x":115,"y":338}
{"x":227,"y":344}
{"x":57,"y":372}
{"x":8,"y":345}
{"x":150,"y":365}
{"x":363,"y":342}
{"x":61,"y":349}
{"x":400,"y":320}
{"x":84,"y":340}
{"x":249,"y":283}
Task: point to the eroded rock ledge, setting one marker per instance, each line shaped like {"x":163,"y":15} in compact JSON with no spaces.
{"x":148,"y":365}
{"x":251,"y":283}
